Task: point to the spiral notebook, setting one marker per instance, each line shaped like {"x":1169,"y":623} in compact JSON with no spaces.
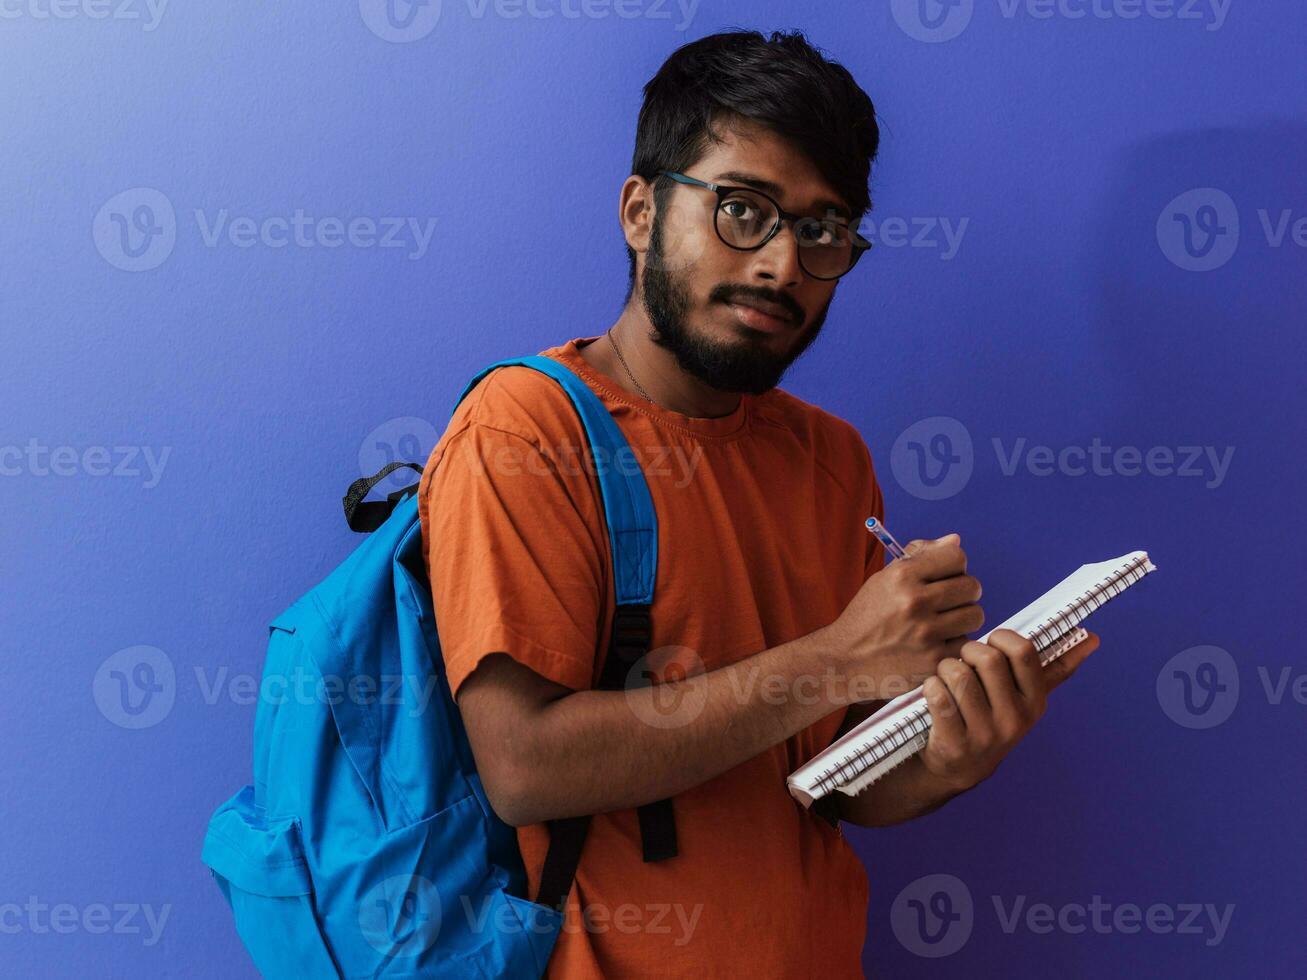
{"x":901,"y":728}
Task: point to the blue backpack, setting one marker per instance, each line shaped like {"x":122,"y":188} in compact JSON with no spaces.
{"x":365,"y":846}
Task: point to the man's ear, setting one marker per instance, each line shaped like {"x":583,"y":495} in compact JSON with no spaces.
{"x":636,"y":212}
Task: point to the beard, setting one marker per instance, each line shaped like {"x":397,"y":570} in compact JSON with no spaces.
{"x":739,"y":365}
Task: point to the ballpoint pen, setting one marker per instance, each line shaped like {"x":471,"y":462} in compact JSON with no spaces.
{"x":882,"y":534}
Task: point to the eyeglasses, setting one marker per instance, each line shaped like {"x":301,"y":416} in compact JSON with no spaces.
{"x":746,"y":219}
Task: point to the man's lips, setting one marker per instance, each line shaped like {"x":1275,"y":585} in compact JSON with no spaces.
{"x":762,"y":314}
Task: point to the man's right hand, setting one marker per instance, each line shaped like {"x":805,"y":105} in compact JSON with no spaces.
{"x":906,"y":618}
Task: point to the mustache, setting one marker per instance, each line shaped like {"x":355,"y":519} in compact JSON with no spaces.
{"x":736,"y":294}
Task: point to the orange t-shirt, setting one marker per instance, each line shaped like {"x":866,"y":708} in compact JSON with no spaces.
{"x":761,"y":540}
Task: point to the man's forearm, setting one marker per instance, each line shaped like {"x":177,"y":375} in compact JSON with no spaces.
{"x":594,"y":751}
{"x":906,"y":792}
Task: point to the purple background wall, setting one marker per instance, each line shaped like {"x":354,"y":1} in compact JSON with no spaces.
{"x":175,"y":440}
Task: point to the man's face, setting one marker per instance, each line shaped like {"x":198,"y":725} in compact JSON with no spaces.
{"x":691,"y":277}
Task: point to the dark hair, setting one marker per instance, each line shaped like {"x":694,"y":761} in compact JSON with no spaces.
{"x":782,"y":83}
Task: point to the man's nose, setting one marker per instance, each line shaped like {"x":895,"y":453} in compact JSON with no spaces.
{"x":777,"y":262}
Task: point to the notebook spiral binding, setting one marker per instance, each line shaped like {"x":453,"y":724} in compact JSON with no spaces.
{"x":909,"y":734}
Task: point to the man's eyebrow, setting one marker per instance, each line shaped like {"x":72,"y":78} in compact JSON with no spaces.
{"x":776,"y":191}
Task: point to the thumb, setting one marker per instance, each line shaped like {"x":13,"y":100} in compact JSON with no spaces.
{"x":1064,"y":666}
{"x":919,"y":544}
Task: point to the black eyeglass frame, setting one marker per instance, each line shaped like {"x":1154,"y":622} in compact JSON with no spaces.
{"x":723,"y":191}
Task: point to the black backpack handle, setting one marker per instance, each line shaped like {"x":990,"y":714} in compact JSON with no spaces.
{"x":364,"y":516}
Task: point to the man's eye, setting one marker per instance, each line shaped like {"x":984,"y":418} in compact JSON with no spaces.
{"x":816,"y":233}
{"x":737,"y":209}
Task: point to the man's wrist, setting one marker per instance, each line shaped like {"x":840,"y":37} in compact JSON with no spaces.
{"x":826,"y":658}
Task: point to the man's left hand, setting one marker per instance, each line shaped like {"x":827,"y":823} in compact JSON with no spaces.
{"x":982,"y":705}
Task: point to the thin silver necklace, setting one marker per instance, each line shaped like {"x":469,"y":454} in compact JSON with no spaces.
{"x":613,"y":341}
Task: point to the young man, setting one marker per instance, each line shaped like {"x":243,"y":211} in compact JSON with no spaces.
{"x":776,"y":623}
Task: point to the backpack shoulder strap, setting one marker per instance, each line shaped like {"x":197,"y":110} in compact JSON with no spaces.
{"x":628,"y":507}
{"x":633,"y":539}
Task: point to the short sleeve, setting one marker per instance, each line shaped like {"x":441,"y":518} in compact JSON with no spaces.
{"x":517,"y":564}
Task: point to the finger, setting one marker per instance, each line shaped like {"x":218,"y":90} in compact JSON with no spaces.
{"x":939,"y":559}
{"x":946,"y":725}
{"x":969,"y":695}
{"x":949,"y":593}
{"x":956,"y":622}
{"x":1024,"y":661}
{"x":953,"y":539}
{"x":1066,"y":665}
{"x":918,"y":544}
{"x":992,"y":667}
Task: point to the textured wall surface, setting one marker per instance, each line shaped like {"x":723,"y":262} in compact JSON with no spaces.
{"x":250,"y":251}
